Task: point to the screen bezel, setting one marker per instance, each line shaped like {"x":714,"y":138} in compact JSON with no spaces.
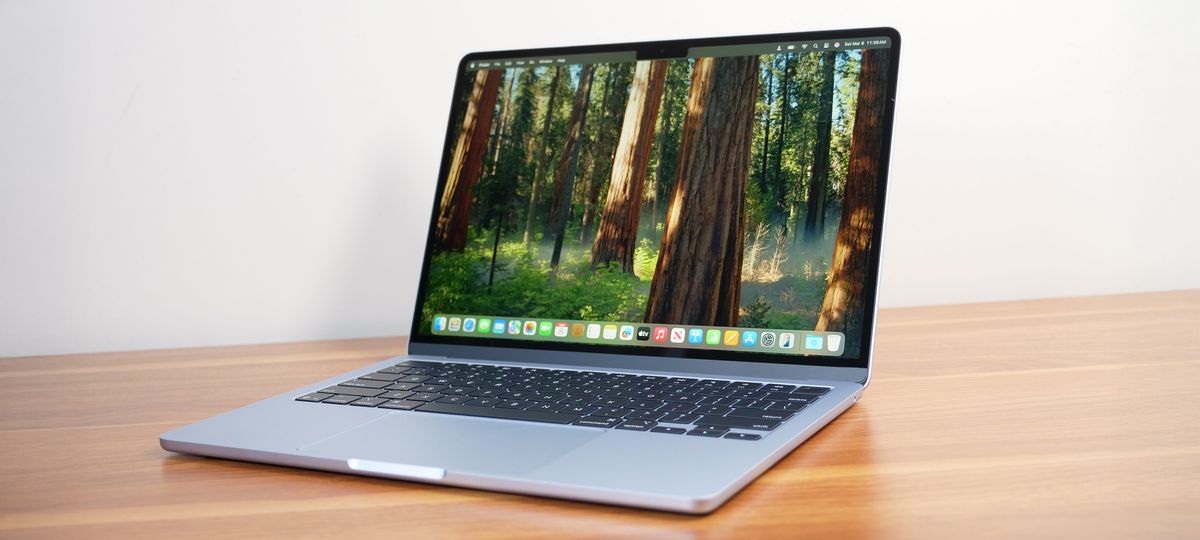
{"x":675,"y":49}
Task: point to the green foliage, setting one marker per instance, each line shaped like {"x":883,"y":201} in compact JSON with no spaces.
{"x":755,"y":313}
{"x":645,"y":258}
{"x":525,"y":286}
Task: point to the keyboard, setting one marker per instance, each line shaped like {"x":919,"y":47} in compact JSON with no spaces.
{"x":717,"y":408}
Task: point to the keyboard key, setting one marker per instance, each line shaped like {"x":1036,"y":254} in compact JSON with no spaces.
{"x":513,"y":403}
{"x":743,"y":436}
{"x":787,"y":406}
{"x":427,"y":396}
{"x":671,"y":430}
{"x":395,"y":394}
{"x":713,"y":409}
{"x":340,"y":399}
{"x":679,"y":418}
{"x":414,"y":378}
{"x":678,"y":408}
{"x":818,"y":390}
{"x":785,"y":388}
{"x":581,"y":410}
{"x":545,"y":406}
{"x":708,"y":432}
{"x":454,"y":399}
{"x":401,"y":386}
{"x":380,"y":376}
{"x":368,"y":402}
{"x":357,"y":392}
{"x":636,"y":425}
{"x":484,"y":402}
{"x":760,"y":414}
{"x":364,"y":383}
{"x":492,"y":412}
{"x":393,"y":369}
{"x":314,"y":397}
{"x":735,"y":422}
{"x":430,"y":388}
{"x":794,"y":398}
{"x":402,"y":404}
{"x":598,"y":421}
{"x":643,"y":414}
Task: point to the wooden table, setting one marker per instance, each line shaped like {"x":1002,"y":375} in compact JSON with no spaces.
{"x":1061,"y":418}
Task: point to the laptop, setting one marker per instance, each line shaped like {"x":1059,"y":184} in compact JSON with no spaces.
{"x":650,"y":273}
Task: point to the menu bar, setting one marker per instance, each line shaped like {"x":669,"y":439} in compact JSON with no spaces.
{"x":560,"y":60}
{"x":821,"y":45}
{"x":657,"y":335}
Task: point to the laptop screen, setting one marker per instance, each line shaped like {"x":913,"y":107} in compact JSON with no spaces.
{"x":721,"y":201}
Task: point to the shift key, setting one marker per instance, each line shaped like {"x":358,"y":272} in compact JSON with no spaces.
{"x":737,"y":422}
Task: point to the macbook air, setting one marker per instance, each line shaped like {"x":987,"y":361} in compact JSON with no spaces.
{"x":650,"y":273}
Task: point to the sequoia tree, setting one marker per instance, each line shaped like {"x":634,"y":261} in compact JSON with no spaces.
{"x":617,"y":236}
{"x":845,"y":296}
{"x":568,"y":162}
{"x":698,"y":276}
{"x":454,"y":208}
{"x":541,"y":156}
{"x":814,"y":217}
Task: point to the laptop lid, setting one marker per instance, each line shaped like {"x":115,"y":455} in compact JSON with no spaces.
{"x":709,"y":205}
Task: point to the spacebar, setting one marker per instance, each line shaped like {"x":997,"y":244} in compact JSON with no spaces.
{"x":507,"y":414}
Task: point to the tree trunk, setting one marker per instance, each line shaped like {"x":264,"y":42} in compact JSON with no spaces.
{"x":454,"y":208}
{"x":600,"y":154}
{"x":769,"y":104}
{"x":777,"y":182}
{"x":845,"y":296}
{"x":541,"y":156}
{"x":814,"y":218}
{"x":617,"y":237}
{"x":498,"y":136}
{"x":564,"y":178}
{"x":698,"y":276}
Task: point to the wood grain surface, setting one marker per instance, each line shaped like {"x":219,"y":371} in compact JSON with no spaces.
{"x":1053,"y":418}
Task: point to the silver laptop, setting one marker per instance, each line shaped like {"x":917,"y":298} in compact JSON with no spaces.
{"x":650,"y":274}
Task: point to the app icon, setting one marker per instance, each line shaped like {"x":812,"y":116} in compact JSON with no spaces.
{"x":814,"y":342}
{"x":514,"y":328}
{"x":577,"y":329}
{"x":749,"y":339}
{"x":731,"y":337}
{"x":530,"y":328}
{"x":439,"y":324}
{"x":643,"y":333}
{"x":469,"y":324}
{"x":545,"y":328}
{"x":678,"y":335}
{"x":696,"y":336}
{"x":485,"y":326}
{"x":787,"y":340}
{"x":767,"y":339}
{"x":626,"y":333}
{"x":593,"y":331}
{"x":560,"y":329}
{"x":713,"y":337}
{"x":455,"y":324}
{"x":660,"y":334}
{"x":834,"y":342}
{"x":610,"y":331}
{"x":498,"y":326}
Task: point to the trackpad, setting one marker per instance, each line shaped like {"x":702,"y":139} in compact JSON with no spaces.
{"x":455,"y":443}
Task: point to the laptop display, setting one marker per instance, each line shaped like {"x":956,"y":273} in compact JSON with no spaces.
{"x":719,"y":201}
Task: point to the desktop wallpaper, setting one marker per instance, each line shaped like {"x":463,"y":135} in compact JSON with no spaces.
{"x":730,"y":191}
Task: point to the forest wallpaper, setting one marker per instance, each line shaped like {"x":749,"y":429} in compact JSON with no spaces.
{"x":729,"y":191}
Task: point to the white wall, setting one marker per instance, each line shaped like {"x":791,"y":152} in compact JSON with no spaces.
{"x":195,"y":173}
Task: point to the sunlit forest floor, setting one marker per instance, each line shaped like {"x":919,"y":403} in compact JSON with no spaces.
{"x":780,"y":292}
